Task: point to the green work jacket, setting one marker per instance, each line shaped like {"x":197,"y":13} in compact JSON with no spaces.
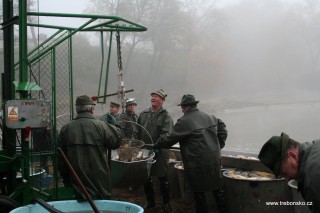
{"x":309,"y":173}
{"x":85,"y":141}
{"x":109,"y":118}
{"x":155,"y":125}
{"x":127,"y":123}
{"x":196,"y":133}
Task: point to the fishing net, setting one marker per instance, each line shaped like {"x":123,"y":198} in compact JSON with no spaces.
{"x":129,"y":149}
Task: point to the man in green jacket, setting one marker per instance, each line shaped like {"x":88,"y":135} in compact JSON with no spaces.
{"x":128,"y":118}
{"x":113,"y":115}
{"x":156,"y":123}
{"x":85,"y":141}
{"x":290,"y":159}
{"x":201,"y":137}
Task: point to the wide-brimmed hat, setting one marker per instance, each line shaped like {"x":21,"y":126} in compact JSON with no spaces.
{"x":273,"y":152}
{"x":160,"y":93}
{"x":131,"y":101}
{"x":188,"y":99}
{"x":84,"y":100}
{"x":114,"y":104}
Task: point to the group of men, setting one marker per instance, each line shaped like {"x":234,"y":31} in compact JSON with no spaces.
{"x":201,"y":137}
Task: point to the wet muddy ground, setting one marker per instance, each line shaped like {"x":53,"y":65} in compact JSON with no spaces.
{"x":137,"y":197}
{"x":181,"y":199}
{"x":178,"y":204}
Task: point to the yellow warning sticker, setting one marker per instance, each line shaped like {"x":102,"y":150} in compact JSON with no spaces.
{"x":12,"y":113}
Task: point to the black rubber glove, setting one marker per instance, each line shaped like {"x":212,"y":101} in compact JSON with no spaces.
{"x":156,"y":149}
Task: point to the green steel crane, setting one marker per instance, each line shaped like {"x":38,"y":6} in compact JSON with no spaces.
{"x":42,"y":71}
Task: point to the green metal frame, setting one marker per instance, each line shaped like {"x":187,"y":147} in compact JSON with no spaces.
{"x":92,"y":23}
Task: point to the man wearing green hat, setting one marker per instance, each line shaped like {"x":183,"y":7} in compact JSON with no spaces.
{"x":290,"y":159}
{"x":201,"y":137}
{"x":154,"y":123}
{"x":85,"y":141}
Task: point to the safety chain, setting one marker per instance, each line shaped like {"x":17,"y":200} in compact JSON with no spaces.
{"x":119,"y":49}
{"x":121,"y":92}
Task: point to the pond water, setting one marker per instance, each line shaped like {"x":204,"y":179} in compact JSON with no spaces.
{"x":250,"y":127}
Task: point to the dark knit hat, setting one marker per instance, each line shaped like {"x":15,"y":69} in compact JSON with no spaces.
{"x":160,"y":93}
{"x":273,"y":152}
{"x":84,"y":100}
{"x":188,"y":99}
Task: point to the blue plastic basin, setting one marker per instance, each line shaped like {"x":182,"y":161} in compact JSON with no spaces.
{"x":74,"y":206}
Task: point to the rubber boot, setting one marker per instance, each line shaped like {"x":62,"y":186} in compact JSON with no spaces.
{"x":164,"y":187}
{"x":201,"y":202}
{"x":149,"y":192}
{"x":221,"y":200}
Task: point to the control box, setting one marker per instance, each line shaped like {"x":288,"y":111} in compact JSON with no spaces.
{"x":23,"y":113}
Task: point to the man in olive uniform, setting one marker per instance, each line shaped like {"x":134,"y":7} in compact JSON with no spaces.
{"x":290,"y":159}
{"x":113,"y":115}
{"x":201,"y":137}
{"x":157,"y":121}
{"x":128,"y":118}
{"x":85,"y":141}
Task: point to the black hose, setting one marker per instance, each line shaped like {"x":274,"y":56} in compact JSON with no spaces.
{"x":7,"y":204}
{"x":45,"y":205}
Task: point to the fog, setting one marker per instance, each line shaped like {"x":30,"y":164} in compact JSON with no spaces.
{"x":254,"y":64}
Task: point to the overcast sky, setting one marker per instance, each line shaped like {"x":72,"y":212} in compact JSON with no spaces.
{"x":77,"y":6}
{"x":63,"y":6}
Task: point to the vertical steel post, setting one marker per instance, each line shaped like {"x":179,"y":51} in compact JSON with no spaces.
{"x":8,"y":139}
{"x":54,"y":118}
{"x":23,"y":77}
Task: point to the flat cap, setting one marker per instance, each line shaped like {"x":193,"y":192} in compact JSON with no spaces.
{"x":84,"y":100}
{"x":114,"y":104}
{"x":160,"y":93}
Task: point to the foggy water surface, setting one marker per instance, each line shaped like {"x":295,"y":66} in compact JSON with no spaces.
{"x":249,"y":128}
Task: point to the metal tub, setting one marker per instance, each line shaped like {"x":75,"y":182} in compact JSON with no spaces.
{"x":247,"y":196}
{"x":184,"y":187}
{"x":230,"y":159}
{"x":131,"y":173}
{"x":300,"y":204}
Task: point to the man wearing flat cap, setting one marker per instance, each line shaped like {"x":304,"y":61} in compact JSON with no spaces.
{"x":85,"y":141}
{"x":113,"y":115}
{"x":201,"y":137}
{"x":157,"y":121}
{"x":290,"y":159}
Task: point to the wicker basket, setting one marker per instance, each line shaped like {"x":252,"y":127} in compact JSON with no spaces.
{"x":129,"y":149}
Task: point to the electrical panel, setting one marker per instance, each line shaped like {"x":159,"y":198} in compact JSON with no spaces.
{"x":23,"y":113}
